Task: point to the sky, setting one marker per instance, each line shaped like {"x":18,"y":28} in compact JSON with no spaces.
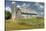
{"x":36,"y":6}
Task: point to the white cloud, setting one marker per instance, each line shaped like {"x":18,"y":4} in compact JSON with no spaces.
{"x":8,"y":9}
{"x":13,"y":2}
{"x":42,"y":13}
{"x":37,"y":4}
{"x":18,"y":6}
{"x":24,"y":4}
{"x":41,"y":6}
{"x":35,"y":12}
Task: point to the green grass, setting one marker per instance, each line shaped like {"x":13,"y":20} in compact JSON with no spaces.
{"x":21,"y":24}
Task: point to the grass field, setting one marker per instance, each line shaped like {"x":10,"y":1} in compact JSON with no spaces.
{"x":21,"y":24}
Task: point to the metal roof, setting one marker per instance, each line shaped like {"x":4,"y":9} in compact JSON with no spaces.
{"x":28,"y":11}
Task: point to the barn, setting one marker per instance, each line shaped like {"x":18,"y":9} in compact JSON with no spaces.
{"x":25,"y":13}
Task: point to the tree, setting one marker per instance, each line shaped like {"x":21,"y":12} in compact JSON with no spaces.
{"x":7,"y":15}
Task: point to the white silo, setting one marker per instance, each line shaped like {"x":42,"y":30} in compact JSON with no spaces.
{"x":13,"y":9}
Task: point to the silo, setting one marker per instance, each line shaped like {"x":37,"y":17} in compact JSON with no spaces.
{"x":13,"y":9}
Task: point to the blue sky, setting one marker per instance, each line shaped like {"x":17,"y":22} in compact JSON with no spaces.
{"x":37,"y":6}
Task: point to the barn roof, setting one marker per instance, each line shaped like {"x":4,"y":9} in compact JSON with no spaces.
{"x":28,"y":11}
